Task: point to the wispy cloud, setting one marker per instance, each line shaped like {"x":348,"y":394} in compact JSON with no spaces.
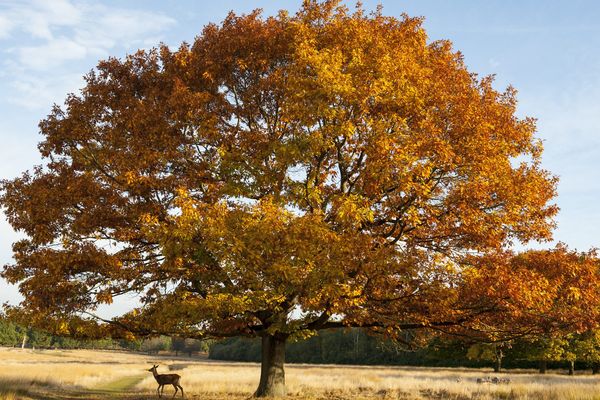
{"x":5,"y":27}
{"x":45,"y":43}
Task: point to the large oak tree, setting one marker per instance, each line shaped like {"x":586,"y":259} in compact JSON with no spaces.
{"x":279,"y":176}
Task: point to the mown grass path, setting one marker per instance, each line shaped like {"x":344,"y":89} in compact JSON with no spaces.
{"x":120,"y":385}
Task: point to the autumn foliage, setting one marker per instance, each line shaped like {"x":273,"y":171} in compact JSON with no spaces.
{"x":539,"y":292}
{"x":287,"y":174}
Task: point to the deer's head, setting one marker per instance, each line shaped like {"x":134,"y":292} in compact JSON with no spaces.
{"x":153,"y":369}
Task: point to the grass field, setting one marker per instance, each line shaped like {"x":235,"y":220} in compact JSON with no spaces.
{"x":84,"y":374}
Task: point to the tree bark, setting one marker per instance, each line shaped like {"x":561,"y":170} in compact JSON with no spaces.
{"x":498,"y":365}
{"x":543,"y":367}
{"x":499,"y":356}
{"x":272,"y":374}
{"x":571,"y":367}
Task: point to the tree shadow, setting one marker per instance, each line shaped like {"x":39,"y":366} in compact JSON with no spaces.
{"x":35,"y":390}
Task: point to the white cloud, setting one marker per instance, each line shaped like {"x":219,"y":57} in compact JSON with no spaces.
{"x":51,"y":54}
{"x":39,"y":18}
{"x":55,"y":39}
{"x":36,"y":92}
{"x":5,"y":27}
{"x":59,"y":12}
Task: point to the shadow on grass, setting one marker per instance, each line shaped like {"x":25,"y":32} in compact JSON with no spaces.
{"x":37,"y":390}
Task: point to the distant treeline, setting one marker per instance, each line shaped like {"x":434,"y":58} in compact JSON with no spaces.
{"x":12,"y":335}
{"x":351,"y":346}
{"x":347,"y":346}
{"x":355,"y":346}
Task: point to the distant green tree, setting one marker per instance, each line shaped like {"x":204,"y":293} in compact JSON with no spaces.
{"x":104,"y":344}
{"x":39,"y":339}
{"x":494,"y":352}
{"x":156,"y":344}
{"x":9,"y":335}
{"x":548,"y":349}
{"x":134,"y":345}
{"x":587,"y":349}
{"x":177,"y":344}
{"x":571,"y":356}
{"x":192,"y":345}
{"x":236,"y":349}
{"x":63,"y":342}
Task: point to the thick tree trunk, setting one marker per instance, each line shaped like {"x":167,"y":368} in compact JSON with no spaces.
{"x":571,"y":367}
{"x":498,"y":365}
{"x":499,"y":356}
{"x":543,"y":367}
{"x":272,"y":375}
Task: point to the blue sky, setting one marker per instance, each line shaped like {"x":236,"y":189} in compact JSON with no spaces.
{"x":548,"y":50}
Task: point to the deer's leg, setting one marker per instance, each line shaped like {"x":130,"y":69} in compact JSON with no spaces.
{"x":180,"y":389}
{"x":175,"y":386}
{"x":158,"y":390}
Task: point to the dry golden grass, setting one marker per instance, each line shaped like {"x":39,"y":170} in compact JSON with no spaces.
{"x":85,"y":374}
{"x":308,"y":381}
{"x":27,"y":371}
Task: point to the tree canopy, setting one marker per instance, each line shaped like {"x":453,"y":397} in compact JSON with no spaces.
{"x":281,"y":175}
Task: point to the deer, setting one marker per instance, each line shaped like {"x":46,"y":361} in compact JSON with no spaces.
{"x":166,"y":379}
